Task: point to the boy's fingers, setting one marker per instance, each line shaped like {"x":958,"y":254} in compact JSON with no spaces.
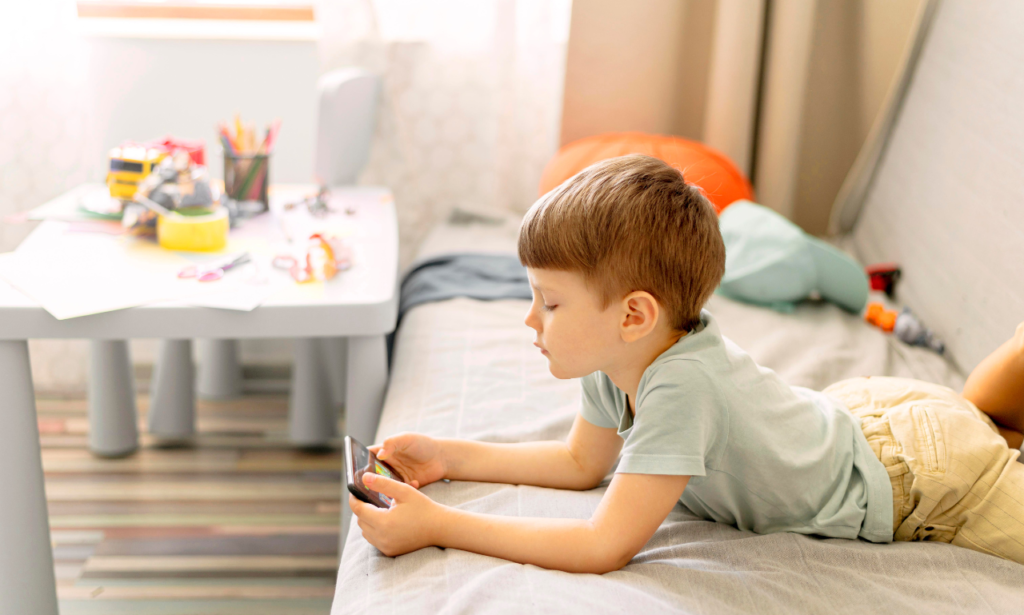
{"x":387,"y":486}
{"x":392,"y":444}
{"x":355,"y":505}
{"x":363,"y":511}
{"x":363,"y":522}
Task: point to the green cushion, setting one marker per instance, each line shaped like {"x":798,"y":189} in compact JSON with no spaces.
{"x":770,"y":261}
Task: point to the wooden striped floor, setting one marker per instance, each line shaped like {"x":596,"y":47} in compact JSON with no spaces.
{"x":241,"y":523}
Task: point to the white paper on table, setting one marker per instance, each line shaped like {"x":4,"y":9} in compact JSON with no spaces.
{"x":237,"y":292}
{"x":77,"y":274}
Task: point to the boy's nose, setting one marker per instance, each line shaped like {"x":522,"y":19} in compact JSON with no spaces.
{"x":531,"y":320}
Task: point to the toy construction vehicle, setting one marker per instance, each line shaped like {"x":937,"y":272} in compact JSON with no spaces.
{"x":129,"y":164}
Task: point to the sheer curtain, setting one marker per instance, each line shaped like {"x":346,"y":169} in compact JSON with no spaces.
{"x":47,"y":144}
{"x":44,"y":113}
{"x":471,"y":105}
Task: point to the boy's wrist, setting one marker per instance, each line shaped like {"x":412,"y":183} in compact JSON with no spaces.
{"x":437,"y":523}
{"x":445,"y":455}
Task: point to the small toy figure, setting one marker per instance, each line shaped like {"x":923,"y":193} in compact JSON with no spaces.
{"x":904,"y":325}
{"x":175,"y":184}
{"x":882,"y":318}
{"x":884,"y":277}
{"x":909,"y":329}
{"x":325,"y":257}
{"x":129,"y":164}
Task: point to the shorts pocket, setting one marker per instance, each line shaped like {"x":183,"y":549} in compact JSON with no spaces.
{"x":928,"y":442}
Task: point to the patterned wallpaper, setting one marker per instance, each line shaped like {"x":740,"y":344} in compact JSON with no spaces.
{"x":472,"y":99}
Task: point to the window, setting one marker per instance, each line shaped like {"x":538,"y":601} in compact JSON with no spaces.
{"x":190,"y":19}
{"x":245,"y":10}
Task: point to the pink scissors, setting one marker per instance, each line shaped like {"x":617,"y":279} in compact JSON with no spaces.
{"x":214,"y":272}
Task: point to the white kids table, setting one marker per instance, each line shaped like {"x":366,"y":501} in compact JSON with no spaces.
{"x":359,"y":305}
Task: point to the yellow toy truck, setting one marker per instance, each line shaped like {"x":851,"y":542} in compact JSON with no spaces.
{"x":129,"y":164}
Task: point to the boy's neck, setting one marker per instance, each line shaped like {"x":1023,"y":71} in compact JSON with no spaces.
{"x":627,"y":372}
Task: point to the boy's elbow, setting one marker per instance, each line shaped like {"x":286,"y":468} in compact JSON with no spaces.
{"x":588,"y":483}
{"x":610,"y":560}
{"x":591,"y":480}
{"x":608,"y":554}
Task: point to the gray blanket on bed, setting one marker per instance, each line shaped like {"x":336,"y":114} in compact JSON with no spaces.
{"x":466,"y":369}
{"x":486,"y":277}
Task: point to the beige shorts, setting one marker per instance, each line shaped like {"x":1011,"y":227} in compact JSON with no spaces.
{"x":953,"y":477}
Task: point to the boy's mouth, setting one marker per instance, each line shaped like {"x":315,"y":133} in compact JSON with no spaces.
{"x":542,"y":350}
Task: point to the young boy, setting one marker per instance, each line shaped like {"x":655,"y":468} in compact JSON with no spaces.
{"x":621,"y":258}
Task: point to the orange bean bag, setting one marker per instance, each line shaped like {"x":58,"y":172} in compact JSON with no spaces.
{"x":721,"y":181}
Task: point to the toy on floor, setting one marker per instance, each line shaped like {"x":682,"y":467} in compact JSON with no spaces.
{"x":907,"y":327}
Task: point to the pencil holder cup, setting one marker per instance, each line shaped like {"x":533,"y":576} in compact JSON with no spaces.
{"x":246,"y":177}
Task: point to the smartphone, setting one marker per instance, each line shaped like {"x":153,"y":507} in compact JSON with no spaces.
{"x":358,"y":461}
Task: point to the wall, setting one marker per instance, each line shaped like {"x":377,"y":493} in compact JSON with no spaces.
{"x":146,"y":88}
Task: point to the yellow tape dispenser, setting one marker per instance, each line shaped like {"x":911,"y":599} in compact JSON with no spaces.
{"x":193,"y":229}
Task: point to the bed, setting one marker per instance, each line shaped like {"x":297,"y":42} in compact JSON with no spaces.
{"x":466,"y":368}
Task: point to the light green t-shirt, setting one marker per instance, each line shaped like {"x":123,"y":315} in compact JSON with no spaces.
{"x":762,"y":455}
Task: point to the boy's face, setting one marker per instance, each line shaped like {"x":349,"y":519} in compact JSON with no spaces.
{"x":576,"y":335}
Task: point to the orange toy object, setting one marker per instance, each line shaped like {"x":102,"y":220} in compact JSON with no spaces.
{"x":721,"y":180}
{"x":882,"y":318}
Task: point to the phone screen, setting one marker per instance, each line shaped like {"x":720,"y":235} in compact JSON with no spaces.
{"x":360,"y":461}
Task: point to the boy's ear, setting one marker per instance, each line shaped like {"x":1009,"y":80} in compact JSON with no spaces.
{"x":640,"y":314}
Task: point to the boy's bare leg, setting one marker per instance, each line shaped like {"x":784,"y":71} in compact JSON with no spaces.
{"x":996,"y":387}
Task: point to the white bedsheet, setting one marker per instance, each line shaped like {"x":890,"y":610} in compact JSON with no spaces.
{"x":467,"y":369}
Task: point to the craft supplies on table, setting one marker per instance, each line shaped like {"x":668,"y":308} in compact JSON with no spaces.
{"x":194,"y":231}
{"x":214,"y":271}
{"x":324,"y":258}
{"x":72,"y":273}
{"x":130,"y":164}
{"x":247,"y":165}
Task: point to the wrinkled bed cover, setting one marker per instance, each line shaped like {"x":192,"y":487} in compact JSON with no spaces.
{"x":467,"y":369}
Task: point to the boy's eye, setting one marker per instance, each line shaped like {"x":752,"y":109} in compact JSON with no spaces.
{"x":548,"y":308}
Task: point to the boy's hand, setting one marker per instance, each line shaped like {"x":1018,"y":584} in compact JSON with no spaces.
{"x":409,"y":524}
{"x":418,"y":458}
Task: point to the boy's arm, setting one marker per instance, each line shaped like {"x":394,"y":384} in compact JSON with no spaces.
{"x":581,"y":462}
{"x":629,"y":514}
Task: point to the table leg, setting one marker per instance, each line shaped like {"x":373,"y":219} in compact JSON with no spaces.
{"x":220,"y":373}
{"x":312,"y":415}
{"x":27,"y":583}
{"x":172,"y":402}
{"x":113,"y":421}
{"x":335,"y":351}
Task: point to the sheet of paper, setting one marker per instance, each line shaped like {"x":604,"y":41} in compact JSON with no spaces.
{"x":244,"y":290}
{"x":77,"y":274}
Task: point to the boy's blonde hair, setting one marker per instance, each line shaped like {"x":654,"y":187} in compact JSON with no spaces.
{"x":627,"y":224}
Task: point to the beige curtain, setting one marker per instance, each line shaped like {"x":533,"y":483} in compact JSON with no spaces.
{"x":828,"y":67}
{"x":788,"y":89}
